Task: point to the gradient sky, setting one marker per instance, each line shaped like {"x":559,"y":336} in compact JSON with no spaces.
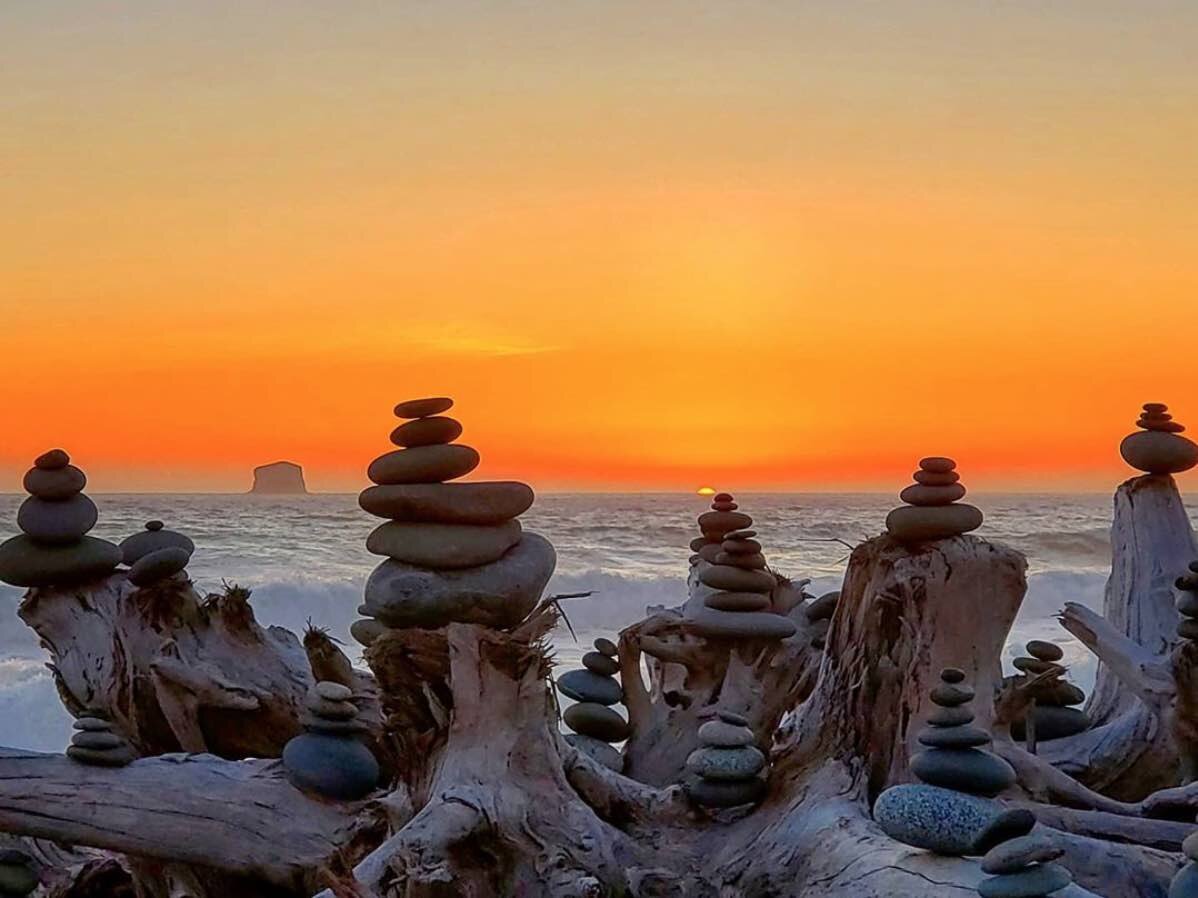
{"x":645,"y":245}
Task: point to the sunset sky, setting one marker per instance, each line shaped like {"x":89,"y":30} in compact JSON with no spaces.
{"x":645,"y":245}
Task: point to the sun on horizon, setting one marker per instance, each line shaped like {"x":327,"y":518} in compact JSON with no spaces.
{"x":705,"y":491}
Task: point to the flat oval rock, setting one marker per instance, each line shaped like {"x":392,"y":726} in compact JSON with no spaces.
{"x":752,"y":562}
{"x":24,"y":562}
{"x":711,"y":552}
{"x":724,"y":521}
{"x":937,"y":464}
{"x":52,"y":460}
{"x":57,"y":523}
{"x":333,"y":692}
{"x":822,"y":608}
{"x":966,"y":770}
{"x":915,"y":524}
{"x":725,"y":793}
{"x":712,"y":763}
{"x":958,"y":715}
{"x":106,"y":757}
{"x":597,"y":721}
{"x":158,"y":566}
{"x":741,"y":546}
{"x":500,"y":594}
{"x":423,"y":464}
{"x":96,"y":739}
{"x":725,"y":735}
{"x":598,"y":751}
{"x":932,"y":478}
{"x":599,"y":663}
{"x":330,"y":765}
{"x":605,"y":646}
{"x":738,"y":601}
{"x":741,"y":624}
{"x":444,"y":546}
{"x":1159,"y":453}
{"x":366,"y":630}
{"x":1044,"y":651}
{"x":734,"y":579}
{"x":433,"y":431}
{"x":948,"y":822}
{"x":153,"y":538}
{"x":586,"y":686}
{"x":422,"y":408}
{"x":449,"y":503}
{"x":56,"y":484}
{"x":698,"y":543}
{"x":92,"y":724}
{"x":1013,"y":856}
{"x":921,"y":495}
{"x":963,"y":736}
{"x":1033,"y":882}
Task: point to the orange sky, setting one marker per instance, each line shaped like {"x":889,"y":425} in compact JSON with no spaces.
{"x":644,"y":245}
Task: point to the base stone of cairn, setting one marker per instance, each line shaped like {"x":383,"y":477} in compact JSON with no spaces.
{"x":18,"y":875}
{"x":96,"y":742}
{"x":932,"y":509}
{"x":595,"y":689}
{"x":1158,"y":447}
{"x":455,"y":551}
{"x":1055,"y":715}
{"x":728,"y":769}
{"x":732,"y":564}
{"x":1185,"y":883}
{"x":155,"y":554}
{"x":950,"y":811}
{"x":329,"y":758}
{"x":54,"y":548}
{"x":1023,"y":867}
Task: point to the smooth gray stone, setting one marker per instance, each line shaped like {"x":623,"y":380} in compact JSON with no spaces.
{"x":913,"y":524}
{"x":585,"y":686}
{"x":741,"y":624}
{"x":597,"y":751}
{"x":24,"y":562}
{"x":605,"y":646}
{"x":1035,"y":666}
{"x":153,"y":539}
{"x":596,"y":721}
{"x":937,"y":464}
{"x":948,"y":822}
{"x":431,"y":431}
{"x":958,"y":715}
{"x":96,"y":740}
{"x":950,"y":695}
{"x":57,"y":523}
{"x":738,"y":720}
{"x":963,"y":736}
{"x":444,"y":546}
{"x":1053,"y":723}
{"x":752,"y":562}
{"x":52,"y":460}
{"x":449,"y":503}
{"x":1159,"y":453}
{"x":115,"y":757}
{"x":423,"y":464}
{"x":366,"y":630}
{"x":738,"y":601}
{"x":1044,"y":651}
{"x":963,"y":769}
{"x":741,"y":546}
{"x":1185,"y":883}
{"x":423,"y":408}
{"x":92,"y":725}
{"x":822,"y":608}
{"x":601,"y":664}
{"x":713,"y":763}
{"x":952,"y":675}
{"x":725,"y":793}
{"x":333,"y":692}
{"x":741,"y":534}
{"x":333,"y":766}
{"x":1061,"y":693}
{"x":922,"y":495}
{"x":931,"y":478}
{"x":55,"y":485}
{"x":158,"y":566}
{"x":735,"y":579}
{"x":500,"y":594}
{"x":1034,"y":882}
{"x":1013,"y":856}
{"x":327,"y":710}
{"x":722,"y":522}
{"x":722,"y":734}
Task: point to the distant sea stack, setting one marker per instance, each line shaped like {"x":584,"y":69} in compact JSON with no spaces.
{"x":282,"y":478}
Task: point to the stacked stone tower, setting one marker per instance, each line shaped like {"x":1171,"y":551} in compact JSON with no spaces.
{"x":54,"y":548}
{"x":95,"y":741}
{"x":1158,"y":447}
{"x":1055,"y":714}
{"x":728,"y":769}
{"x":455,"y":551}
{"x":1024,"y":867}
{"x":933,"y":510}
{"x":595,"y":689}
{"x":714,"y":525}
{"x":156,"y":554}
{"x":329,"y":758}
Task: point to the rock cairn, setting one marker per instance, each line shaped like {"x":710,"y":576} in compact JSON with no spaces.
{"x":595,"y":689}
{"x":1158,"y":447}
{"x":96,"y":742}
{"x":741,"y":607}
{"x":18,"y":874}
{"x":1054,"y":714}
{"x":329,"y":758}
{"x":455,"y":551}
{"x":54,"y":548}
{"x":728,"y":769}
{"x":1185,"y":883}
{"x":950,"y":811}
{"x":155,"y":554}
{"x":933,"y":510}
{"x":1023,"y":867}
{"x":1187,"y":603}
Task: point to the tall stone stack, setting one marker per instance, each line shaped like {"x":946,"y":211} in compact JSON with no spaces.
{"x":1055,"y":714}
{"x":1158,"y":447}
{"x":455,"y":551}
{"x":156,"y":554}
{"x":950,"y":811}
{"x":933,"y":510}
{"x":1024,"y":867}
{"x":714,"y":525}
{"x":54,"y":548}
{"x":727,"y":768}
{"x":329,"y":758}
{"x":96,"y":742}
{"x":18,"y":874}
{"x":1187,"y":603}
{"x":595,"y":689}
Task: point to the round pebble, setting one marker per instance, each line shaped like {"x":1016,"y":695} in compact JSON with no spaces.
{"x":605,"y":646}
{"x":597,"y":721}
{"x":921,"y":495}
{"x":952,"y":675}
{"x":963,"y":769}
{"x":1032,"y":882}
{"x":724,"y":521}
{"x":698,"y":543}
{"x":1014,"y":855}
{"x":52,"y":460}
{"x":915,"y":524}
{"x":333,"y":692}
{"x":714,"y":763}
{"x":331,"y":765}
{"x":601,"y":664}
{"x":586,"y":686}
{"x":1159,"y":453}
{"x":738,"y":601}
{"x":423,"y":408}
{"x":735,"y":579}
{"x":753,"y":562}
{"x":949,"y":694}
{"x":740,"y":534}
{"x":433,"y":431}
{"x":448,"y":503}
{"x":1044,"y":651}
{"x":931,"y":478}
{"x":733,"y":718}
{"x":57,"y":523}
{"x":25,"y":562}
{"x":722,"y":734}
{"x":423,"y":464}
{"x":97,"y":739}
{"x":444,"y":546}
{"x":963,"y":736}
{"x":153,"y":539}
{"x":92,"y":724}
{"x":950,"y":717}
{"x":741,"y":546}
{"x":158,"y":566}
{"x":55,"y":485}
{"x":937,"y":464}
{"x":726,"y":793}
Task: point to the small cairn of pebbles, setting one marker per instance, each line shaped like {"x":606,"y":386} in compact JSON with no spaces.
{"x":1023,"y":868}
{"x":728,"y":768}
{"x":1158,"y":447}
{"x":595,"y":689}
{"x":18,"y":874}
{"x":54,"y":548}
{"x":155,"y":554}
{"x":1185,"y":883}
{"x":1187,"y":604}
{"x":933,"y":511}
{"x":95,"y":742}
{"x":329,"y":758}
{"x":722,"y":519}
{"x":1053,"y":715}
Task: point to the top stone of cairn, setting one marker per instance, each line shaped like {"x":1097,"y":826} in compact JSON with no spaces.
{"x":933,"y":511}
{"x":423,"y":408}
{"x":1158,"y":447}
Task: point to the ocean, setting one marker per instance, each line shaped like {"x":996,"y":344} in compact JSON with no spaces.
{"x":305,"y":560}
